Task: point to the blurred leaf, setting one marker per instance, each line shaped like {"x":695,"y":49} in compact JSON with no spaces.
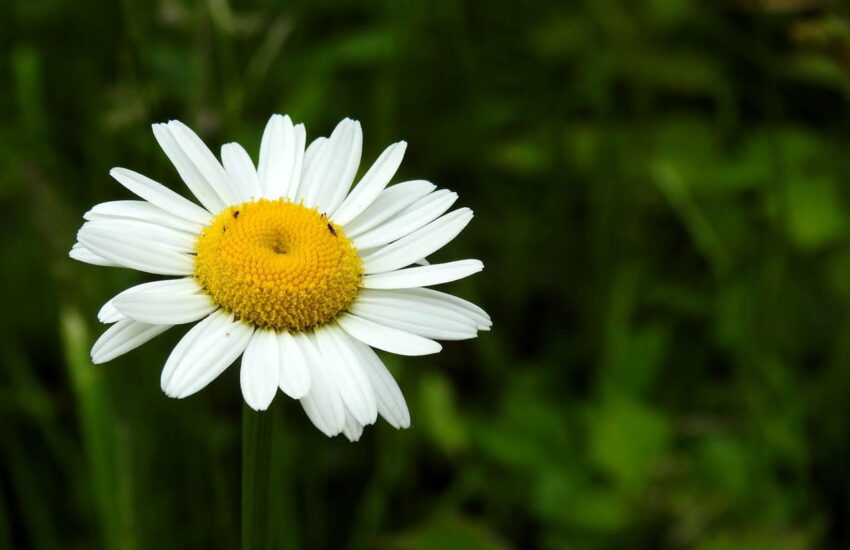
{"x":724,"y":467}
{"x":599,"y":509}
{"x":529,"y":432}
{"x":26,"y":67}
{"x":815,"y":216}
{"x":521,"y":156}
{"x":447,"y":533}
{"x":691,"y":214}
{"x":439,"y":416}
{"x":838,"y":273}
{"x":755,"y":539}
{"x":682,"y":71}
{"x":692,"y":149}
{"x":815,"y":68}
{"x":109,"y":472}
{"x":632,"y":353}
{"x":627,"y":438}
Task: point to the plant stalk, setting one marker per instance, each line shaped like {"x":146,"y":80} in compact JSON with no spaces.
{"x":256,"y":459}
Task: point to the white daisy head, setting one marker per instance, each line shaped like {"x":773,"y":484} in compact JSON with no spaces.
{"x":286,"y":265}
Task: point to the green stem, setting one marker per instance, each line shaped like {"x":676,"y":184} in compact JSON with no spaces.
{"x":256,"y":455}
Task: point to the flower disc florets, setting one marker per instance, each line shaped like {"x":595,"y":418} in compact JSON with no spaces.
{"x":277,"y":264}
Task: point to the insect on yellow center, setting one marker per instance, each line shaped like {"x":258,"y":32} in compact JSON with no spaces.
{"x":277,"y":264}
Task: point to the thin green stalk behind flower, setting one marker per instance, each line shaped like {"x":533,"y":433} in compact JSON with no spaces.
{"x":108,"y":467}
{"x":256,"y":487}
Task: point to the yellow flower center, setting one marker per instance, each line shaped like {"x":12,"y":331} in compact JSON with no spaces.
{"x":277,"y":264}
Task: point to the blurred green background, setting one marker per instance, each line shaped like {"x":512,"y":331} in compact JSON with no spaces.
{"x":662,"y":191}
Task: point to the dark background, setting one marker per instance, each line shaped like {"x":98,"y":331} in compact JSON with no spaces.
{"x":661,"y":192}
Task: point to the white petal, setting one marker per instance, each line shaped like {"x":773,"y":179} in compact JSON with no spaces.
{"x":272,"y":151}
{"x":386,"y":338}
{"x":205,"y":161}
{"x":342,"y":168}
{"x":460,"y":305}
{"x":390,"y":202}
{"x":444,"y":300}
{"x":108,"y":314}
{"x":240,"y":169}
{"x":423,"y":276}
{"x":352,"y":429}
{"x":312,"y":153}
{"x":423,"y":211}
{"x":139,"y":245}
{"x":83,"y":254}
{"x":371,"y":184}
{"x":344,"y":364}
{"x":144,"y":211}
{"x":298,"y":163}
{"x":328,"y":176}
{"x":323,"y":403}
{"x":123,"y":336}
{"x":161,"y":196}
{"x":391,"y":403}
{"x":422,"y":319}
{"x":279,"y":155}
{"x":170,"y":302}
{"x":203,"y":353}
{"x":167,"y":237}
{"x":260,"y":370}
{"x":294,"y":378}
{"x":192,"y":177}
{"x":418,"y":244}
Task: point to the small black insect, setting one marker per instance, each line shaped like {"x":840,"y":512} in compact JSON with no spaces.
{"x":235,"y":214}
{"x":332,"y":230}
{"x":223,"y":228}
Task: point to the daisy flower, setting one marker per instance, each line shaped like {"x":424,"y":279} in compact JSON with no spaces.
{"x":287,"y":265}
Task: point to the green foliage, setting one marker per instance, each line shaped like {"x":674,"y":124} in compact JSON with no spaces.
{"x":660,"y":192}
